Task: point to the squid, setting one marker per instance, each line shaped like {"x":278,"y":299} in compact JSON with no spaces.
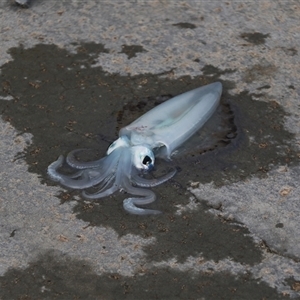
{"x":157,"y":133}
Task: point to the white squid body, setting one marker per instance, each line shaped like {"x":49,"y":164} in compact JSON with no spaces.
{"x":164,"y":128}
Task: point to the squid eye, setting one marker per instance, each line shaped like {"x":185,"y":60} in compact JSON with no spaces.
{"x":147,"y":160}
{"x":142,"y":157}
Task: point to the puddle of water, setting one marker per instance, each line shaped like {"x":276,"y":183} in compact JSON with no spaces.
{"x":67,"y":104}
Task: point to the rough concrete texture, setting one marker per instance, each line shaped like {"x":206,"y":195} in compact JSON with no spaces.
{"x":229,"y":231}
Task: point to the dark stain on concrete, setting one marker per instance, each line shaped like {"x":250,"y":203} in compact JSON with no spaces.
{"x":185,"y":25}
{"x":260,"y":72}
{"x":132,"y":50}
{"x":294,"y":284}
{"x":213,"y":74}
{"x":55,"y":275}
{"x":255,"y":38}
{"x":290,"y":51}
{"x":66,"y":104}
{"x":179,"y":236}
{"x":212,"y":70}
{"x":264,"y":87}
{"x":90,"y":49}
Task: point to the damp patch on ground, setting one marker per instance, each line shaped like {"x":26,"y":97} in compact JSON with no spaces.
{"x":67,"y":104}
{"x":185,"y":25}
{"x":55,"y":275}
{"x":132,"y":50}
{"x":255,"y":38}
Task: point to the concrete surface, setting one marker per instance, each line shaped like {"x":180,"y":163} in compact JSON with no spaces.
{"x":73,"y":73}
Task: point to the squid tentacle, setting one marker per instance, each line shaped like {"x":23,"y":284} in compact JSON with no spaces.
{"x":74,"y":163}
{"x":102,"y":194}
{"x":54,"y":175}
{"x":120,"y":155}
{"x":84,"y":178}
{"x":147,"y":197}
{"x":143,"y":182}
{"x":78,"y":180}
{"x":108,"y":181}
{"x":129,"y":206}
{"x":75,"y":181}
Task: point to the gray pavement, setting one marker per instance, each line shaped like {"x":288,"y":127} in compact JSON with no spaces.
{"x":74,"y":72}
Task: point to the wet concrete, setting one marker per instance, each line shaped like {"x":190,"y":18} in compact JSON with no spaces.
{"x":68,"y":109}
{"x":185,"y":25}
{"x":71,"y":116}
{"x":57,"y":276}
{"x":255,"y":38}
{"x":71,"y":99}
{"x":132,"y":50}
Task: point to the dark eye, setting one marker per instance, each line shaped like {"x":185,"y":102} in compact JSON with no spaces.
{"x":147,"y":160}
